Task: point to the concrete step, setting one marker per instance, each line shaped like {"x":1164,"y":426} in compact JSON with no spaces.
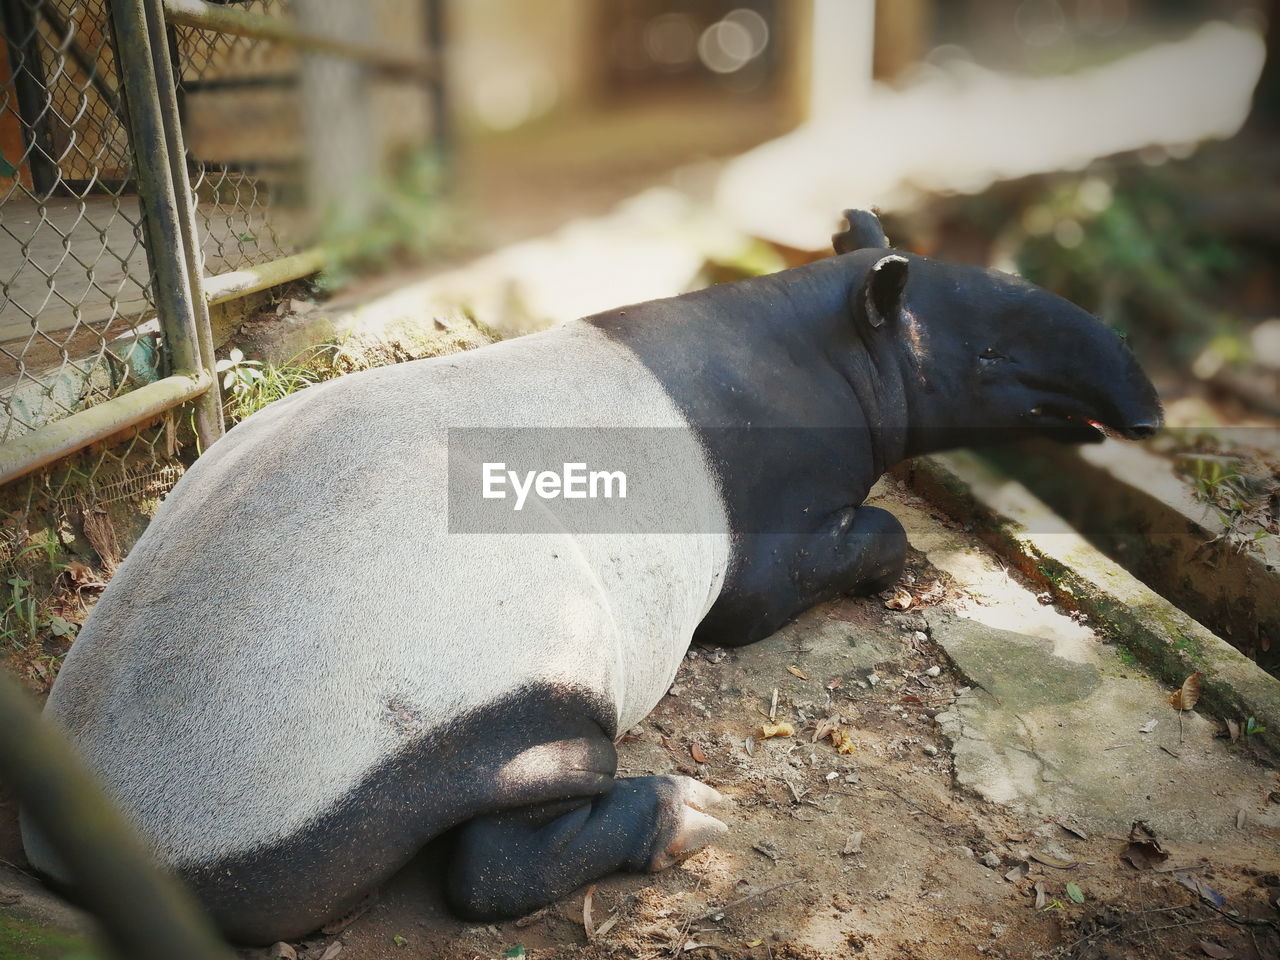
{"x":1054,"y":724}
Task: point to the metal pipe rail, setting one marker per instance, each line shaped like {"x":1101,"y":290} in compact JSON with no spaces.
{"x":240,"y":283}
{"x":246,"y":23}
{"x":57,"y":440}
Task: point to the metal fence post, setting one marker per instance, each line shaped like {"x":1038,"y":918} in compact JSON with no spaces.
{"x":166,"y":250}
{"x":441,"y":122}
{"x":209,"y":423}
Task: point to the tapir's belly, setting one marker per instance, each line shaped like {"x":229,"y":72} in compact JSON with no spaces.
{"x":299,"y":609}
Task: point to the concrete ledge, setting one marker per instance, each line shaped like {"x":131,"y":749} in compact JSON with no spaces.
{"x":1131,"y":504}
{"x":1005,"y":515}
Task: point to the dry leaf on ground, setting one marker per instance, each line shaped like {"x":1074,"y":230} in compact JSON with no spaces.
{"x":825,"y":727}
{"x":1144,"y":851}
{"x":1054,"y":862}
{"x":1188,"y":696}
{"x":1072,"y":826}
{"x":82,"y":577}
{"x":901,"y":599}
{"x":779,"y":729}
{"x":1144,"y":854}
{"x":1198,"y":886}
{"x":767,"y":848}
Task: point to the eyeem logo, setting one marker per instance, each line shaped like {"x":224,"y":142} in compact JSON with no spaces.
{"x":574,"y":482}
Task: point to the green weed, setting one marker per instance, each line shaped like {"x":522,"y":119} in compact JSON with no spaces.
{"x":249,"y":385}
{"x":25,"y":615}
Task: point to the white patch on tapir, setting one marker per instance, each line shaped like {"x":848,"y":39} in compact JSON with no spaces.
{"x":917,"y":344}
{"x":297,"y":608}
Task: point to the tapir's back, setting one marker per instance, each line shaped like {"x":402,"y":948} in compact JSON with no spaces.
{"x":298,"y":614}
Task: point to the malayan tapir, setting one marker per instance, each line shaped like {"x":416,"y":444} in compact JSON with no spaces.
{"x":301,"y":674}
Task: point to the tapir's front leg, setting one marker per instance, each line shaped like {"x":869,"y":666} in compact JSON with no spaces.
{"x":778,"y":576}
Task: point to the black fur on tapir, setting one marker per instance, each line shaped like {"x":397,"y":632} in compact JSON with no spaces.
{"x":299,"y":677}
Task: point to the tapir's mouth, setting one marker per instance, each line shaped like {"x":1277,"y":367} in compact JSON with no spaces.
{"x":1075,"y":426}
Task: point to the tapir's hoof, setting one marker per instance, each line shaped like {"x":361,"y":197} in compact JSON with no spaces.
{"x":690,"y":829}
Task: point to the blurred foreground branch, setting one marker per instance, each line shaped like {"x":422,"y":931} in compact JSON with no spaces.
{"x":145,"y":914}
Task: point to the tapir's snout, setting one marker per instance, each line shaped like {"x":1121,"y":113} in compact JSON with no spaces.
{"x":1095,"y":389}
{"x":1131,"y":408}
{"x":1141,"y":415}
{"x":1143,"y":429}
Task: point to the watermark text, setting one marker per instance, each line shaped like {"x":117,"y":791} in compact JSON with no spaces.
{"x":573,"y":482}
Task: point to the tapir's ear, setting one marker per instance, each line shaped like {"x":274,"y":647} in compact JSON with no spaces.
{"x":879,"y":298}
{"x":864,"y":231}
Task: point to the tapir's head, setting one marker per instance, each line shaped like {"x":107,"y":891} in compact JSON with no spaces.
{"x":984,"y":354}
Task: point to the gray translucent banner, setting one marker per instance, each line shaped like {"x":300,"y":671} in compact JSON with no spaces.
{"x":659,"y":480}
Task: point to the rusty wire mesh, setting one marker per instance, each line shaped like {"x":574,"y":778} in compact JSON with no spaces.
{"x":75,"y":290}
{"x":238,"y":97}
{"x":77,"y":316}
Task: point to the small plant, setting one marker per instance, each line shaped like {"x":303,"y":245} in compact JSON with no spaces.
{"x":252,"y":384}
{"x":1252,"y":728}
{"x":1240,"y":502}
{"x":62,"y":628}
{"x":239,"y":374}
{"x":1219,"y":485}
{"x":18,"y":619}
{"x":23,"y":619}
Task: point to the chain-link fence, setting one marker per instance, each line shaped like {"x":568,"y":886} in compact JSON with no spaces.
{"x":239,"y":101}
{"x":157,"y":156}
{"x":75,"y":293}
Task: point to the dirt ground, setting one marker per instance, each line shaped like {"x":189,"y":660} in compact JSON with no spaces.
{"x":873,"y":852}
{"x":870,"y":853}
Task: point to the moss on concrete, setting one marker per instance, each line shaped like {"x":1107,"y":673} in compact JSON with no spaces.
{"x":1134,"y":506}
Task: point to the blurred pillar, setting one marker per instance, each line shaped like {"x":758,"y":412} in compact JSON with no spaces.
{"x":338,"y":129}
{"x":1264,"y":117}
{"x":840,"y":58}
{"x":902,"y":36}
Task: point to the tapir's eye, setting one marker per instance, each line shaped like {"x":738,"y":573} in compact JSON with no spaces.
{"x":991,"y":354}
